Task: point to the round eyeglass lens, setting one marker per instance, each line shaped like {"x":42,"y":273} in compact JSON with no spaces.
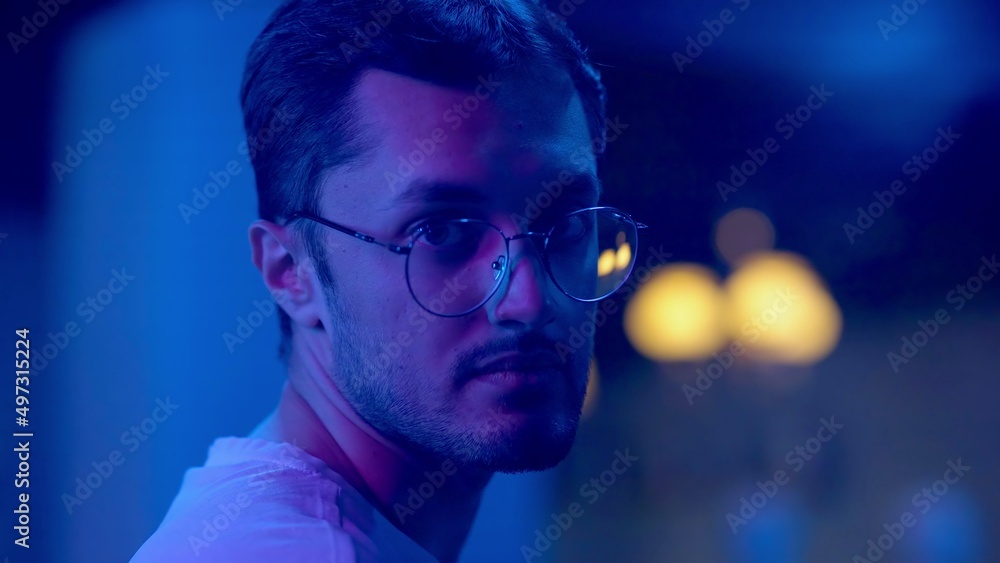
{"x":591,"y":252}
{"x":454,"y":266}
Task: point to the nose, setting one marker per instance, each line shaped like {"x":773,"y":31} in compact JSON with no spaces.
{"x":525,"y":296}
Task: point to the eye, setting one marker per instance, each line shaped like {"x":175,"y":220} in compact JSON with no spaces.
{"x":446,"y":234}
{"x":573,"y":227}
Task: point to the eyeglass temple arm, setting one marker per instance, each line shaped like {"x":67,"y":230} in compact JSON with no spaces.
{"x":358,"y":235}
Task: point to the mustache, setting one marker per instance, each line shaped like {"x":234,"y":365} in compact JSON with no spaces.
{"x":530,"y":344}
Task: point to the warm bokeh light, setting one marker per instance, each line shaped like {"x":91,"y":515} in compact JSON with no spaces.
{"x":741,"y":232}
{"x":678,"y":314}
{"x":606,"y":262}
{"x":781,"y":311}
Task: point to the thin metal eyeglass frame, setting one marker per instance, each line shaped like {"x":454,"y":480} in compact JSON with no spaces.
{"x":406,"y":250}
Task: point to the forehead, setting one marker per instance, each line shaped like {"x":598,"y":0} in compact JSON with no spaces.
{"x":507,"y":133}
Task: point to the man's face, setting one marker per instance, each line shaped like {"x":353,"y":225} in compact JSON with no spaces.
{"x":481,"y":154}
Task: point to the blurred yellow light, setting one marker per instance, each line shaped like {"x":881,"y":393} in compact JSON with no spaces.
{"x":678,"y":314}
{"x":606,"y":263}
{"x":623,"y":256}
{"x":780,"y":310}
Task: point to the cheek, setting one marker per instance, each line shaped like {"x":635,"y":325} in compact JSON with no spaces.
{"x":576,"y":314}
{"x":579,"y":326}
{"x":378,"y":290}
{"x":414,"y":333}
{"x":435,"y":338}
{"x":434,"y":342}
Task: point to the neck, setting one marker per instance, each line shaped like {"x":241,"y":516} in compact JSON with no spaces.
{"x":434,"y":503}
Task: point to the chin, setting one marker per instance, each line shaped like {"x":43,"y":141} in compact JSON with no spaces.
{"x":518,"y":444}
{"x":532,"y":460}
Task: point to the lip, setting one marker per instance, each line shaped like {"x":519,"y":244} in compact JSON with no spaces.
{"x":515,"y":370}
{"x":520,"y":362}
{"x":530,"y":378}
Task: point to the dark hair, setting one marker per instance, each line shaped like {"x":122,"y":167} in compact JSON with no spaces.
{"x":302,"y":68}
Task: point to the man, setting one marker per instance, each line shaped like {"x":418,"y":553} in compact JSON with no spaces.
{"x":429,"y":227}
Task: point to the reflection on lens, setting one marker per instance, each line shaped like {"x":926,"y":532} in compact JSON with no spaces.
{"x":623,"y":256}
{"x":591,"y":252}
{"x":606,"y":263}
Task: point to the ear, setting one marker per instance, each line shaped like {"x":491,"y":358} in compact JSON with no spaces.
{"x":288,"y":273}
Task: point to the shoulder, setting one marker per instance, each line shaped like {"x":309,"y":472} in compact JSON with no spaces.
{"x":260,"y":507}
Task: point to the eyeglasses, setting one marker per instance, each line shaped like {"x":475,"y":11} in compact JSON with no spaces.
{"x":454,"y":266}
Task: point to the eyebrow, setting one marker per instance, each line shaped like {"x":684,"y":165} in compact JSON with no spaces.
{"x":584,"y":183}
{"x":426,"y":191}
{"x":420,"y":191}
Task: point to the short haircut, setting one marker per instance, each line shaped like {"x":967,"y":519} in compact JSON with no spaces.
{"x":302,"y":68}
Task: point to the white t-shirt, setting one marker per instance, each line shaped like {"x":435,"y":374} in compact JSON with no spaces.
{"x":261,"y":501}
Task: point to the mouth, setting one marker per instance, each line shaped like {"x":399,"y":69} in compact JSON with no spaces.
{"x":520,"y":378}
{"x":514,"y":371}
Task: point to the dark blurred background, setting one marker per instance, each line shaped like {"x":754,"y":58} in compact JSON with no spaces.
{"x":695,"y":90}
